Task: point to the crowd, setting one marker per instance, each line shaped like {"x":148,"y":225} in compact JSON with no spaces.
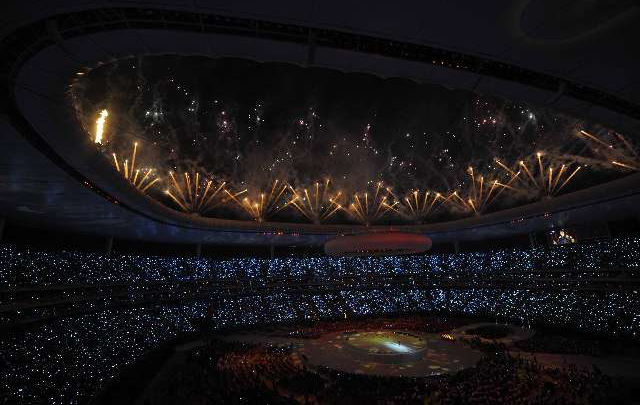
{"x":502,"y":379}
{"x":68,"y":358}
{"x":27,"y":267}
{"x":497,"y":331}
{"x":567,"y":342}
{"x":227,"y":372}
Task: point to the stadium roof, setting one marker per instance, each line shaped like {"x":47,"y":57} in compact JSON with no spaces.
{"x":574,"y":60}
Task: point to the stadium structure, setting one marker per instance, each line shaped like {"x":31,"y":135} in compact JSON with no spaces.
{"x":319,"y":202}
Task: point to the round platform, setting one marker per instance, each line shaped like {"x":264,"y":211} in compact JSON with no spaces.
{"x":388,"y":352}
{"x":385,"y":342}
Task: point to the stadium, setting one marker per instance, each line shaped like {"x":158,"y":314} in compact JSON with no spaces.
{"x":319,"y":202}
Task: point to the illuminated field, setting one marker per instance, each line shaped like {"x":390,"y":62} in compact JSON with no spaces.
{"x":386,"y":342}
{"x":379,"y":352}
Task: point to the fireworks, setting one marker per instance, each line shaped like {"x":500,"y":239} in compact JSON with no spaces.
{"x":195,"y":194}
{"x":458,"y":202}
{"x":482,"y":193}
{"x":241,"y":131}
{"x":368,"y":209}
{"x":318,"y":205}
{"x":263,"y":206}
{"x":143,"y":178}
{"x":100,"y":123}
{"x":624,"y":165}
{"x":416,"y":206}
{"x":540,"y":177}
{"x":618,"y":152}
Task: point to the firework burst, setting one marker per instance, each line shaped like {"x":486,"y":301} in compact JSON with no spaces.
{"x":265,"y":204}
{"x":195,"y":194}
{"x":317,"y":205}
{"x":141,"y":178}
{"x":457,"y":202}
{"x":100,"y":125}
{"x":416,"y":206}
{"x":536,"y":176}
{"x":367,"y":208}
{"x":615,"y":151}
{"x":483,"y":193}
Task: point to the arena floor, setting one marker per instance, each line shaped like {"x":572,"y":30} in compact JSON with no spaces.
{"x":387,"y":352}
{"x":386,"y":342}
{"x":384,"y":352}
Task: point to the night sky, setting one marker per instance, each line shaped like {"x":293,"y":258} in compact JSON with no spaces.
{"x":250,"y":123}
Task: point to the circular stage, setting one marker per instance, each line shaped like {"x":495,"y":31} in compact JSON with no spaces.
{"x":389,"y":352}
{"x":385,"y":342}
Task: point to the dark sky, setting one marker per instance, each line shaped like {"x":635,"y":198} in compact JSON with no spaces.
{"x":250,"y":123}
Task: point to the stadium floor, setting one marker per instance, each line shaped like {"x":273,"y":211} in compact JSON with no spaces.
{"x":332,"y":350}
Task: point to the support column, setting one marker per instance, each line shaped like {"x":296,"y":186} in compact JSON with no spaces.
{"x":108,"y":245}
{"x":3,"y":222}
{"x":271,"y":251}
{"x":608,"y":230}
{"x":311,"y":48}
{"x":532,"y":240}
{"x":198,"y":249}
{"x":456,"y":246}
